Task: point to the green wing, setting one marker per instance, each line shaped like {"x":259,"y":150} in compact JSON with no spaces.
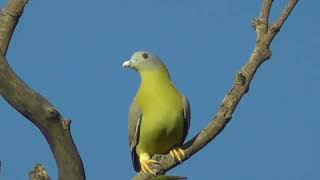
{"x":135,"y":116}
{"x":187,"y":117}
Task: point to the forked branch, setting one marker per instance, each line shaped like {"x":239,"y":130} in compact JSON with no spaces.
{"x":35,"y":107}
{"x":57,"y":130}
{"x":265,"y":34}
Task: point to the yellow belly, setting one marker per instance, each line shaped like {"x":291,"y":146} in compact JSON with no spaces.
{"x":162,"y":124}
{"x":158,"y":135}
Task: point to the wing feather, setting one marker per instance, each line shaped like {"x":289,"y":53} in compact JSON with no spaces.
{"x":187,"y":117}
{"x":135,"y":116}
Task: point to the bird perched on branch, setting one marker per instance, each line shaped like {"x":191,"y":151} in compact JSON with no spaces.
{"x":159,"y":116}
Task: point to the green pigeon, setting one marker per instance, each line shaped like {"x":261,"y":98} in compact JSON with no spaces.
{"x":159,"y":116}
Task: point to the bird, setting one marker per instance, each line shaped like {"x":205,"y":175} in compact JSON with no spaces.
{"x":159,"y":116}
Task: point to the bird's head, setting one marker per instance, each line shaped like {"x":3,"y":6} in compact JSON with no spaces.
{"x":145,"y":62}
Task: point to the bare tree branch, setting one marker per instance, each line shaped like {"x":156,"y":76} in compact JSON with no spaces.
{"x":8,"y":21}
{"x":275,"y":28}
{"x":265,"y":10}
{"x":261,"y":53}
{"x":285,"y":13}
{"x":263,"y":19}
{"x":35,"y":107}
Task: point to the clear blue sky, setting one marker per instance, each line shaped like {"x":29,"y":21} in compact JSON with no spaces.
{"x":72,"y":51}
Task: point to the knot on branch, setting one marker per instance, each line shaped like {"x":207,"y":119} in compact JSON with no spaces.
{"x":256,"y":22}
{"x":38,"y":173}
{"x":240,"y":79}
{"x":260,"y":25}
{"x":66,"y":123}
{"x":228,"y":116}
{"x":52,"y":113}
{"x":267,"y":54}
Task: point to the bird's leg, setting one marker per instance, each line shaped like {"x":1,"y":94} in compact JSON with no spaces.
{"x":178,"y":154}
{"x":145,"y":162}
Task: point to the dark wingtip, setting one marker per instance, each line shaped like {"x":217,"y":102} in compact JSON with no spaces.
{"x":135,"y":160}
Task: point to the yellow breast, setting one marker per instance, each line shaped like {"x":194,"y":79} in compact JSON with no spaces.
{"x":162,"y":116}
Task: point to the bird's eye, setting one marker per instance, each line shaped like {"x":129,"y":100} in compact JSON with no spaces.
{"x":145,"y":56}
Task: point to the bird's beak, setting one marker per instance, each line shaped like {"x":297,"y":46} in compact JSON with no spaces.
{"x":127,"y":64}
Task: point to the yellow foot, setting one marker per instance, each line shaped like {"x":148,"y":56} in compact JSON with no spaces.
{"x":145,"y":163}
{"x":178,"y":154}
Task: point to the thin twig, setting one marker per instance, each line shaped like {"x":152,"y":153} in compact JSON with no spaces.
{"x":265,"y":10}
{"x":285,"y":14}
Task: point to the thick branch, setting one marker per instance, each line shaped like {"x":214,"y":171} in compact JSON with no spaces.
{"x":35,"y":107}
{"x":8,"y":21}
{"x":240,"y":87}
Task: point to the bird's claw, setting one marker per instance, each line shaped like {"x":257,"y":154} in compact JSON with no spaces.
{"x":145,"y":166}
{"x":178,"y":154}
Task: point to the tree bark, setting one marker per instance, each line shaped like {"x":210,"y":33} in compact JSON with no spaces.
{"x":35,"y":107}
